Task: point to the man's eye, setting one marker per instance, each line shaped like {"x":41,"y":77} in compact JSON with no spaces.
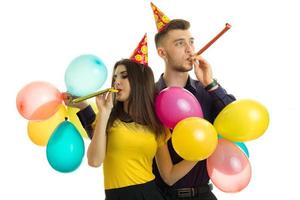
{"x":179,"y":43}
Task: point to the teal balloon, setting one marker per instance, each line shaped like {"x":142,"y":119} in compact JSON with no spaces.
{"x":65,"y":148}
{"x":85,"y":74}
{"x":241,"y":145}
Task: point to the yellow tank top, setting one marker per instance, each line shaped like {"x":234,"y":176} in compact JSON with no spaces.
{"x":131,"y":148}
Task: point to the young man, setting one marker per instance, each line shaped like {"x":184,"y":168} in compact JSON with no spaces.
{"x":175,"y":45}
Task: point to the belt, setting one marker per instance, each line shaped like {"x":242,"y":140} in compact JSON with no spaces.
{"x":192,"y":191}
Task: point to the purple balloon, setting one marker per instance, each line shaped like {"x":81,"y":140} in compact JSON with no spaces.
{"x":174,"y":104}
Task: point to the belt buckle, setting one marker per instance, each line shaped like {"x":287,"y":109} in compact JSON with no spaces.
{"x":185,"y":192}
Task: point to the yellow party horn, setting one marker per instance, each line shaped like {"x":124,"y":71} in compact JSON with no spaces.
{"x":79,"y":99}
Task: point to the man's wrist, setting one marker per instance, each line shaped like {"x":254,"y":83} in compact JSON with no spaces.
{"x":206,"y":83}
{"x":211,"y":86}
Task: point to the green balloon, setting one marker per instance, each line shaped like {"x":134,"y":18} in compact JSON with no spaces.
{"x":65,"y":148}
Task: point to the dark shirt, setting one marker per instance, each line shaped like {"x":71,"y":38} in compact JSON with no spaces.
{"x":211,"y":103}
{"x":87,"y":116}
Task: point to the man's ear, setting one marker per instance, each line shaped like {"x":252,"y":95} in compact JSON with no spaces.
{"x":161,"y":52}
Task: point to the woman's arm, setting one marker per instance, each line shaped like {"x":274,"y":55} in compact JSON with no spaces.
{"x":169,"y":172}
{"x":97,"y":148}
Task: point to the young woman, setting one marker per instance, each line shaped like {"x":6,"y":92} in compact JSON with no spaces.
{"x":128,"y":135}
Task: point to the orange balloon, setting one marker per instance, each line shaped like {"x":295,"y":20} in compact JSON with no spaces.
{"x":39,"y":132}
{"x":38,"y":100}
{"x":194,"y":138}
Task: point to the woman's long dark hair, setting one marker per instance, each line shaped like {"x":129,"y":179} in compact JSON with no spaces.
{"x":141,"y":98}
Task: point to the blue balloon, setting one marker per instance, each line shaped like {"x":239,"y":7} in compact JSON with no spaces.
{"x":65,"y":148}
{"x":86,"y":74}
{"x":241,"y":145}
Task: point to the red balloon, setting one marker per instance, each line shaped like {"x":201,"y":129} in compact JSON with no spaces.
{"x":228,"y":167}
{"x":174,"y":104}
{"x":38,"y":100}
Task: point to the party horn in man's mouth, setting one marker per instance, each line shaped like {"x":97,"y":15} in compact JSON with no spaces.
{"x":227,"y":27}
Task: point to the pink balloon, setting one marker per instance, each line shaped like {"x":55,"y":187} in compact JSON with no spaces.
{"x":174,"y":104}
{"x":38,"y":100}
{"x":228,"y":167}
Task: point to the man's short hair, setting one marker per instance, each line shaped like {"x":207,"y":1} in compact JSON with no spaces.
{"x":174,"y":24}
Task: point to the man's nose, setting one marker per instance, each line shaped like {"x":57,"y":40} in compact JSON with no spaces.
{"x":189,"y":48}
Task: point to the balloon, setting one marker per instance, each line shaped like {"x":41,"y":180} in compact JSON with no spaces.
{"x":228,"y":167}
{"x":38,"y":100}
{"x":194,"y":139}
{"x":242,"y":120}
{"x":174,"y":104}
{"x":241,"y":145}
{"x":72,"y":113}
{"x":39,"y":132}
{"x":86,"y":74}
{"x":65,"y":148}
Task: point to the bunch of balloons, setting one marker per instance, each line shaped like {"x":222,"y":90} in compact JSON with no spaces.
{"x":221,"y":143}
{"x":241,"y":121}
{"x":193,"y":137}
{"x":55,"y":125}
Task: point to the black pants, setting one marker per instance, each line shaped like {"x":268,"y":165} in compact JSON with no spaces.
{"x":146,"y":191}
{"x":204,"y":196}
{"x":204,"y":193}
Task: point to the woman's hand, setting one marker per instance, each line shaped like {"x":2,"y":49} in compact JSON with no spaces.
{"x":67,"y":97}
{"x":105,"y":104}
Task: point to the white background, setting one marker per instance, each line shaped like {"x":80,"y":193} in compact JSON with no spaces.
{"x":257,"y":58}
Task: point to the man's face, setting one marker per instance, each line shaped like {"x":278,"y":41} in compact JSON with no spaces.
{"x":177,"y":48}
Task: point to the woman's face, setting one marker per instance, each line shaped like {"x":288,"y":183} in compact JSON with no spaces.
{"x":121,"y":83}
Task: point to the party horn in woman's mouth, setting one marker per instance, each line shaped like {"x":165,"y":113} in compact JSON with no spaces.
{"x":79,"y":99}
{"x":227,"y":27}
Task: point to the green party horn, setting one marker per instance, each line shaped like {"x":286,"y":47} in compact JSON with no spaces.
{"x":79,"y":99}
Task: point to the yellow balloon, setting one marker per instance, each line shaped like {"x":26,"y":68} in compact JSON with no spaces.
{"x":75,"y":120}
{"x":39,"y":132}
{"x":194,"y":139}
{"x":242,"y":120}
